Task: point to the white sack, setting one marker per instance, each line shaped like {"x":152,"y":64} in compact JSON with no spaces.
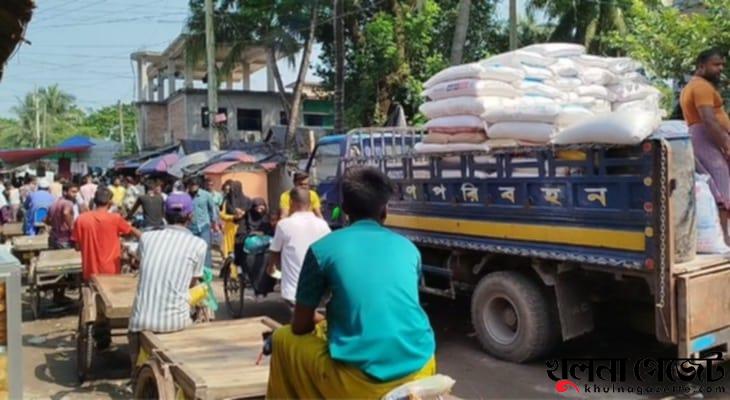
{"x":456,"y":121}
{"x":528,"y":131}
{"x":557,"y":49}
{"x":650,"y":103}
{"x":450,"y":148}
{"x":566,"y":84}
{"x":597,"y":91}
{"x":525,"y":109}
{"x":532,"y":88}
{"x":615,"y":128}
{"x":601,"y":106}
{"x":710,"y":237}
{"x":470,"y":87}
{"x":571,"y":115}
{"x":628,"y":91}
{"x":475,"y":71}
{"x":598,"y":76}
{"x":520,"y":57}
{"x":565,"y":68}
{"x":623,"y":65}
{"x":537,"y":73}
{"x":460,"y":106}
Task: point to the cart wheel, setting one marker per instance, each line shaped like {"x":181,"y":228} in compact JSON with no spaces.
{"x":35,"y":302}
{"x":84,"y":349}
{"x":233,"y":289}
{"x":145,"y":386}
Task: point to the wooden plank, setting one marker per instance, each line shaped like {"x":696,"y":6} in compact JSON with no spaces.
{"x":706,"y":303}
{"x":12,"y":229}
{"x":116,"y":294}
{"x":701,"y":261}
{"x":218,"y":359}
{"x":59,"y":259}
{"x":30,"y":243}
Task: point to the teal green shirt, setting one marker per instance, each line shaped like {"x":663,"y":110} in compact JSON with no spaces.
{"x":374,"y":319}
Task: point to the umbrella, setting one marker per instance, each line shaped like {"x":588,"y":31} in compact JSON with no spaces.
{"x":201,"y":157}
{"x":237,"y":155}
{"x":158,"y":164}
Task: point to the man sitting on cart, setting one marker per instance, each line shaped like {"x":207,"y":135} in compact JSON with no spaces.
{"x":377,"y":335}
{"x":171,"y":262}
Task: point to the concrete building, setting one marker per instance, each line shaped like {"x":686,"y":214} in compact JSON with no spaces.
{"x":172,"y":98}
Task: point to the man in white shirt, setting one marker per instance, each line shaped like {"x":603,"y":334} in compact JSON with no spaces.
{"x":292,"y":239}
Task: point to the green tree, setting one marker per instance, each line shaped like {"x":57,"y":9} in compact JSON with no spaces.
{"x":585,"y":21}
{"x":104,"y":122}
{"x":393,"y":47}
{"x":281,"y":26}
{"x":44,"y":117}
{"x":667,"y":41}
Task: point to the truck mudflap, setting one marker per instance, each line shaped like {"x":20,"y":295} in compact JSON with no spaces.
{"x":703,"y":309}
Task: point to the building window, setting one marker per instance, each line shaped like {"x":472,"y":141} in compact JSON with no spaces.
{"x":283,"y":120}
{"x":205,"y":118}
{"x":248,"y":119}
{"x":314,"y":119}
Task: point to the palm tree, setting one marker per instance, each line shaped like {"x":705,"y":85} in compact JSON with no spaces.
{"x":460,"y":29}
{"x":585,"y":21}
{"x":43,"y":116}
{"x":282,"y":26}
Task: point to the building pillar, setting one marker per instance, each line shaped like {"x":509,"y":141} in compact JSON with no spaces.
{"x":150,"y":86}
{"x":160,"y":86}
{"x":270,"y":81}
{"x":141,"y":85}
{"x":188,"y":72}
{"x":171,"y":77}
{"x":246,"y":78}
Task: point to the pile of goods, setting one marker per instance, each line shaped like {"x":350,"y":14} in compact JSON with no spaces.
{"x":540,"y":94}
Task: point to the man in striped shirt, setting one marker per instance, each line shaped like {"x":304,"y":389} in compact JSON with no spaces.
{"x":172,"y":261}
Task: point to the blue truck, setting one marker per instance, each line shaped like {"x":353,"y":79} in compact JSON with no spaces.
{"x":549,"y":241}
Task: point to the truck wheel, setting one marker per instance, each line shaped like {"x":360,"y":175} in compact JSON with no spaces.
{"x":513,"y":317}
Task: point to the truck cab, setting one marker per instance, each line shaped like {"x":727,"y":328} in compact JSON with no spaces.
{"x":546,"y":239}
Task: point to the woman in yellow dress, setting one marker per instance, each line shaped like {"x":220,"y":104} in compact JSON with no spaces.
{"x":229,"y":227}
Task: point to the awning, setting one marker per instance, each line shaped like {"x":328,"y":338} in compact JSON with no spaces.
{"x":25,"y":156}
{"x":219,"y":167}
{"x":158,"y":164}
{"x":199,"y":158}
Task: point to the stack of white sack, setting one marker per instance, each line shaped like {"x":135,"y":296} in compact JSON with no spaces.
{"x":459,"y":95}
{"x":543,"y":93}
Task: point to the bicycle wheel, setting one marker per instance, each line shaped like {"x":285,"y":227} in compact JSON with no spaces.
{"x":233,"y":289}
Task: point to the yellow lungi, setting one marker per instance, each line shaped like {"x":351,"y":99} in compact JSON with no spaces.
{"x":301,"y":368}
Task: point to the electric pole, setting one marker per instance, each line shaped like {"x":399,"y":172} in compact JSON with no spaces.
{"x":512,"y":24}
{"x":37,"y":119}
{"x":339,"y":30}
{"x":44,"y":131}
{"x":121,"y":125}
{"x":212,"y":79}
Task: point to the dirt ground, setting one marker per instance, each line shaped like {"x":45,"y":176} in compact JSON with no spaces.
{"x":49,"y":361}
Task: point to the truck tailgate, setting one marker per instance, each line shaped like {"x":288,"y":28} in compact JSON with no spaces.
{"x":703,"y":305}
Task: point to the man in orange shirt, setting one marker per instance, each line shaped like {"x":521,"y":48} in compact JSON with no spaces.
{"x":709,"y":127}
{"x":96,"y":234}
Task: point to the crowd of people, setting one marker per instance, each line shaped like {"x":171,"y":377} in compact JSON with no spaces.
{"x":372,"y":343}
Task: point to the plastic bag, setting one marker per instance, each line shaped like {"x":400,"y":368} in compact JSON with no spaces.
{"x":710,"y":237}
{"x":426,"y":388}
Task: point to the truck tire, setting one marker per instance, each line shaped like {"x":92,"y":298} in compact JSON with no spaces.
{"x":514,"y":317}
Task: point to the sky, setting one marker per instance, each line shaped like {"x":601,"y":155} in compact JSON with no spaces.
{"x":84,"y":47}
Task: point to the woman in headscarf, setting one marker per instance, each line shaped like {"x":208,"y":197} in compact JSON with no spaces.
{"x":229,"y":226}
{"x":258,"y":233}
{"x":237,"y":205}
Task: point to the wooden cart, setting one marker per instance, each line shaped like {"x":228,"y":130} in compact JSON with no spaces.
{"x":209,"y":361}
{"x":11,"y":230}
{"x":106,"y":301}
{"x":25,"y":248}
{"x":53,"y":270}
